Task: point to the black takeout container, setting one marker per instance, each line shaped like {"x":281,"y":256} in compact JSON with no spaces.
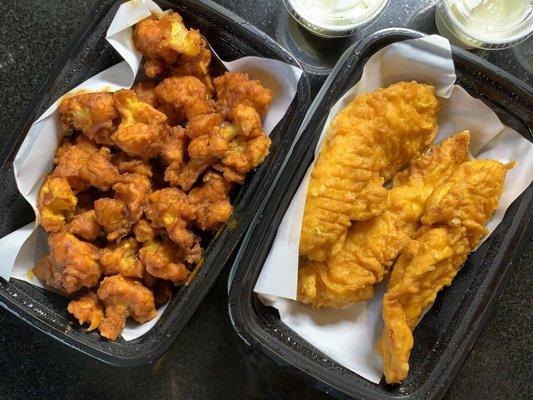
{"x":448,"y":331}
{"x":89,"y":54}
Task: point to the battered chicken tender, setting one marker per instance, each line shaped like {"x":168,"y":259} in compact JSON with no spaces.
{"x":56,"y":203}
{"x":173,"y":153}
{"x":142,"y":130}
{"x":85,"y":226}
{"x":132,"y":189}
{"x":211,"y":201}
{"x":84,"y":165}
{"x":87,"y":309}
{"x":170,"y":208}
{"x":368,"y":141}
{"x":452,"y":226}
{"x":71,"y":265}
{"x":94,"y":114}
{"x":123,"y":297}
{"x":186,"y":94}
{"x":372,"y":246}
{"x":114,"y":216}
{"x":163,"y":259}
{"x":122,"y":259}
{"x":125,"y":163}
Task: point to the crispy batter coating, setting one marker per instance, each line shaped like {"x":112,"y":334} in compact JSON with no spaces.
{"x":56,"y":203}
{"x":125,"y":163}
{"x":145,"y":92}
{"x":85,"y":226}
{"x":372,"y":246}
{"x":94,"y":114}
{"x":452,"y":226}
{"x":197,"y":66}
{"x":142,"y":130}
{"x":186,"y":94}
{"x":71,"y":265}
{"x":211,"y":201}
{"x":173,"y":153}
{"x":114,"y":216}
{"x":144,"y":231}
{"x":87,"y":309}
{"x":121,"y":258}
{"x":123,"y":297}
{"x":368,"y":141}
{"x":164,"y":260}
{"x":132,"y":189}
{"x":234,"y":88}
{"x":170,"y":208}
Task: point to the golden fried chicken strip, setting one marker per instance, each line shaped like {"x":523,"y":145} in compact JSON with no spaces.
{"x":56,"y":203}
{"x":372,"y":246}
{"x":368,"y":141}
{"x":85,"y":225}
{"x":71,"y":265}
{"x":94,"y":114}
{"x":164,"y":260}
{"x":87,"y":308}
{"x":452,"y":226}
{"x":123,"y":297}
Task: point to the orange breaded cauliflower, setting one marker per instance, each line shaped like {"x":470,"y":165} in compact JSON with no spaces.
{"x":164,"y":260}
{"x":123,"y":297}
{"x":122,"y":259}
{"x":172,"y":153}
{"x":170,"y":208}
{"x":125,"y":163}
{"x":132,"y":189}
{"x":56,"y":203}
{"x":85,"y":225}
{"x":71,"y":265}
{"x":114,"y":216}
{"x":87,"y":309}
{"x":211,"y":200}
{"x":84,"y":165}
{"x":234,"y":88}
{"x":197,"y":66}
{"x":94,"y":114}
{"x":142,"y":130}
{"x":144,"y":231}
{"x":145,"y":91}
{"x":186,"y":94}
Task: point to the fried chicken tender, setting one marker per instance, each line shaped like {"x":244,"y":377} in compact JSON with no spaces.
{"x":94,"y":114}
{"x":234,"y":88}
{"x":186,"y":94}
{"x":87,"y":309}
{"x":368,"y":141}
{"x":123,"y":297}
{"x":125,"y":163}
{"x":71,"y":265}
{"x":142,"y":130}
{"x":121,"y":258}
{"x":56,"y":203}
{"x":114,"y":216}
{"x":170,"y":208}
{"x":84,"y":165}
{"x":372,"y":246}
{"x":164,"y":260}
{"x":452,"y":226}
{"x":172,"y":153}
{"x":211,"y":200}
{"x":85,"y":226}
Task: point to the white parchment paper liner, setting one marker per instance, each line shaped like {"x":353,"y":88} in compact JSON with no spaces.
{"x":22,"y":249}
{"x":348,"y":335}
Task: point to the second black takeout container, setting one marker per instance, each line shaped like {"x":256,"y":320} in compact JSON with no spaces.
{"x":448,"y":331}
{"x":89,"y":53}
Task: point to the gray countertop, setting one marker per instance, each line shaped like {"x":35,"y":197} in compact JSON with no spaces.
{"x":208,"y":361}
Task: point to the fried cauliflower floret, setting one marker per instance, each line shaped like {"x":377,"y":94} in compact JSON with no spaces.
{"x":56,"y":203}
{"x":172,"y":153}
{"x":71,"y":265}
{"x":143,"y":128}
{"x":164,"y":260}
{"x":234,"y":88}
{"x":114,"y":216}
{"x":122,"y":259}
{"x":125,"y":163}
{"x":94,"y":114}
{"x":210,"y":136}
{"x":144,"y":231}
{"x":87,"y":309}
{"x":211,"y":200}
{"x":186,"y":94}
{"x":197,"y":66}
{"x":85,"y":225}
{"x":84,"y":165}
{"x":170,"y":208}
{"x":145,"y":91}
{"x":132,"y":189}
{"x":123,"y":297}
{"x":190,"y":173}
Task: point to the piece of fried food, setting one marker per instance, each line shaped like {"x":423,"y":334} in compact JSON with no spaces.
{"x":142,"y":130}
{"x":173,"y":153}
{"x":71,"y":265}
{"x":85,"y":226}
{"x":94,"y":114}
{"x":56,"y":203}
{"x":371,"y":246}
{"x":87,"y":308}
{"x":197,"y":66}
{"x":125,"y":163}
{"x":132,"y":190}
{"x":452,"y":226}
{"x":123,"y":297}
{"x":368,"y":141}
{"x":113,"y":215}
{"x":121,"y":258}
{"x":163,"y":259}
